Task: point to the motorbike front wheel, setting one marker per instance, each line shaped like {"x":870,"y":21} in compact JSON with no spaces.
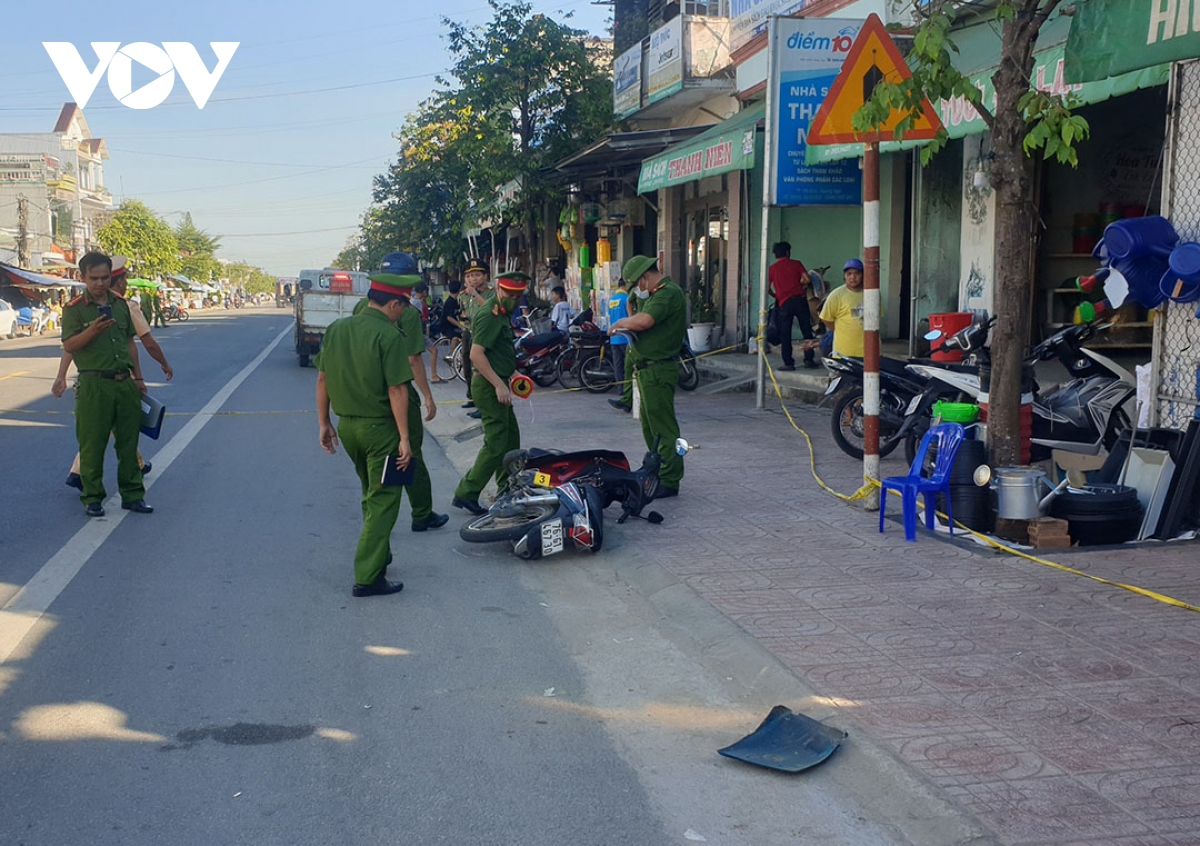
{"x":848,"y":427}
{"x":490,"y":527}
{"x":181,"y":315}
{"x":596,"y":373}
{"x":544,"y":373}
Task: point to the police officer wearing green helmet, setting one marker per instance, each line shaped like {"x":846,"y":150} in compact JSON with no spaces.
{"x":661,"y":325}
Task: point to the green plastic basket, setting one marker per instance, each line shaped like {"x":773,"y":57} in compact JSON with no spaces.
{"x":956,"y":412}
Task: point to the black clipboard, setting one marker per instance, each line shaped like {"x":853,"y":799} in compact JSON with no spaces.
{"x":153,"y":412}
{"x":392,"y":476}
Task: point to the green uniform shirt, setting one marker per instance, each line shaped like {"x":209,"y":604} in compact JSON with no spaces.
{"x":494,"y":333}
{"x":361,"y":357}
{"x":470,"y":308}
{"x":411,"y":331}
{"x":108,"y":352}
{"x":665,"y":338}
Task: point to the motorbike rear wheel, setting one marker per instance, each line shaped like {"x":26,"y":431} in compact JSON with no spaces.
{"x":544,"y":373}
{"x":847,"y":425}
{"x":689,"y":374}
{"x":490,"y":527}
{"x":567,"y":368}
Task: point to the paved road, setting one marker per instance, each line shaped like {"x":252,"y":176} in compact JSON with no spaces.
{"x":201,"y":675}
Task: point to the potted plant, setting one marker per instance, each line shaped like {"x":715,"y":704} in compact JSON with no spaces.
{"x":703,"y":321}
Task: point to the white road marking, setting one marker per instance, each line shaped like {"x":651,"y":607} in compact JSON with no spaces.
{"x":20,"y":614}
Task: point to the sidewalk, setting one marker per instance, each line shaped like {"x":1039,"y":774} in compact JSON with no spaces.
{"x":1049,"y":707}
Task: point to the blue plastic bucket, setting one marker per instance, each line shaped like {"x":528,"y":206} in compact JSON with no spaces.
{"x":1185,"y":260}
{"x":1145,"y":279}
{"x":1179,"y":289}
{"x":1137,"y":237}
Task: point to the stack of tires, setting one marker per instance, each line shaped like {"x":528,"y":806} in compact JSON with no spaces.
{"x":1099,"y":514}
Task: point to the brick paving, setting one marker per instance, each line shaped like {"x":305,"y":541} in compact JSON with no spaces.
{"x":1054,"y":709}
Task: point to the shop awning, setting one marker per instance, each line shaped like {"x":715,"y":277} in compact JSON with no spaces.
{"x":19,"y":277}
{"x":1110,"y":37}
{"x":979,"y":52}
{"x":726,"y":147}
{"x":621,"y":151}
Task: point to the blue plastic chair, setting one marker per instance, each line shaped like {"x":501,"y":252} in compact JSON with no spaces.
{"x":948,"y":437}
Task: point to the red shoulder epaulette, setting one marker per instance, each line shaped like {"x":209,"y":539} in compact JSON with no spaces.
{"x":75,"y":301}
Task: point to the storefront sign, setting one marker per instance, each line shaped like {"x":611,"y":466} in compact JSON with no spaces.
{"x":627,"y":82}
{"x":805,"y":57}
{"x":664,"y":71}
{"x":726,"y":147}
{"x":748,"y":18}
{"x":1110,"y":37}
{"x":962,"y":119}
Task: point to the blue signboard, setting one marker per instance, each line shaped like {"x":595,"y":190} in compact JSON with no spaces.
{"x":806,"y":56}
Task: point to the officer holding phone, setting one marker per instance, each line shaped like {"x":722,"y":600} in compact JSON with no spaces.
{"x":97,"y":330}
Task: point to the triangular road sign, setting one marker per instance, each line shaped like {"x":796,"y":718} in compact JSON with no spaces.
{"x":873,"y":57}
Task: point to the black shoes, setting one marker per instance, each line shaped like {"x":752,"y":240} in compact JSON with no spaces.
{"x":138,"y":505}
{"x":74,"y":481}
{"x":146,"y":468}
{"x":433,"y":521}
{"x":666,"y":493}
{"x":468,"y":404}
{"x":788,"y":367}
{"x":94,"y":509}
{"x":621,"y":406}
{"x":471,"y":505}
{"x":379,"y":587}
{"x":810,"y":364}
{"x":475,"y":414}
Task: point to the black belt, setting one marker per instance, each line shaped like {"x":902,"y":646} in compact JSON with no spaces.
{"x":651,"y":362}
{"x":112,"y":375}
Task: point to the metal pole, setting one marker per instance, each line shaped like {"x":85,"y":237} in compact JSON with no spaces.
{"x":760,"y":391}
{"x":871,"y":319}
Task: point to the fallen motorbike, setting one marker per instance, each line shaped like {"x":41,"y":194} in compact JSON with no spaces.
{"x":551,"y":498}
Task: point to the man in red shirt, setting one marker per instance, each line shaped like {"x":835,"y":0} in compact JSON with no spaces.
{"x":788,"y":282}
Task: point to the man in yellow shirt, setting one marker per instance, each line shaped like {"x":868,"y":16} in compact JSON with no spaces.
{"x":843,"y":312}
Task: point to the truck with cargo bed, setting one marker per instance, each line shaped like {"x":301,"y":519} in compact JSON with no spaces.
{"x":323,"y":297}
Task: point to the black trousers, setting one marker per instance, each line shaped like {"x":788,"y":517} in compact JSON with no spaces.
{"x":796,"y":308}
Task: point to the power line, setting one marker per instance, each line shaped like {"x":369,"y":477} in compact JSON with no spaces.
{"x":234,"y":161}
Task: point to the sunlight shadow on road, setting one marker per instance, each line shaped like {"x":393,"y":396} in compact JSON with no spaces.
{"x":386,"y":651}
{"x":79,"y":721}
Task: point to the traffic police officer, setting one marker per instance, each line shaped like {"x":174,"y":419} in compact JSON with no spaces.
{"x":364,"y":374}
{"x":400,"y":270}
{"x":98,"y":332}
{"x":661,"y":324}
{"x":495,"y":360}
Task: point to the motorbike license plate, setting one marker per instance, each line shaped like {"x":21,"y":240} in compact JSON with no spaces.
{"x":542,"y":480}
{"x":552,"y":537}
{"x":912,"y":405}
{"x":833,"y":385}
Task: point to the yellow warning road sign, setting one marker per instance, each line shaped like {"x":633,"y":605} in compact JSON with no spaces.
{"x":871,"y":59}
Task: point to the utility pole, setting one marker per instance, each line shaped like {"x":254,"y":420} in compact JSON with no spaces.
{"x":22,"y":231}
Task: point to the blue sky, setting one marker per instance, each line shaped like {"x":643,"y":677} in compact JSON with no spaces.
{"x":278,"y":167}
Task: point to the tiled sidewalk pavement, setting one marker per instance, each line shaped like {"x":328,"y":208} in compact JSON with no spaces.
{"x":1055,"y":709}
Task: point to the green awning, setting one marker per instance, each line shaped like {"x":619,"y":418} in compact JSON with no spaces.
{"x":726,"y":147}
{"x":1048,"y":74}
{"x":1110,"y":37}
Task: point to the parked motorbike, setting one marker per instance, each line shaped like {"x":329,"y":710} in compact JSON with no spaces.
{"x":1082,"y":416}
{"x":551,"y":498}
{"x":897,"y":388}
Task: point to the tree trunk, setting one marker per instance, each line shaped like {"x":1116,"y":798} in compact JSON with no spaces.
{"x":1012,"y":178}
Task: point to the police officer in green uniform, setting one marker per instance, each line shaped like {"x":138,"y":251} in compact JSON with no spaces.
{"x":401,"y":271}
{"x":495,"y":361}
{"x":98,"y":332}
{"x":364,"y":375}
{"x":474,"y":295}
{"x":661,"y":324}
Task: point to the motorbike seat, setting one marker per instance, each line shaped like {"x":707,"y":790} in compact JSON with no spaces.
{"x":894,"y":366}
{"x":543,"y":456}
